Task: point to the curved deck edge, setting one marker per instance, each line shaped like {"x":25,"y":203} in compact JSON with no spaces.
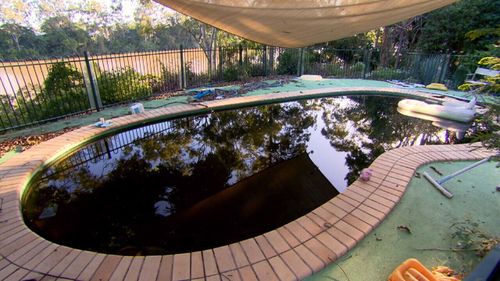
{"x":290,"y":252}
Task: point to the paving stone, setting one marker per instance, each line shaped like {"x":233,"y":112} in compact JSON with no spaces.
{"x":210,"y":266}
{"x":182,"y":267}
{"x":247,"y":274}
{"x":281,"y":269}
{"x":264,"y":271}
{"x":224,"y":259}
{"x":296,"y":264}
{"x":150,"y":267}
{"x":277,"y":242}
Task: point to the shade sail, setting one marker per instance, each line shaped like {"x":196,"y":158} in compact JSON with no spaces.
{"x":299,"y":23}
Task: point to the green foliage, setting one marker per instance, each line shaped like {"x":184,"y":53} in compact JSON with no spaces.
{"x":195,"y":79}
{"x":386,"y":73}
{"x":168,"y":80}
{"x":491,"y":83}
{"x":61,"y":77}
{"x":63,"y":92}
{"x":287,"y":62}
{"x":358,"y":41}
{"x":62,"y":37}
{"x":490,"y":136}
{"x":356,"y":69}
{"x":235,"y":72}
{"x":17,"y":42}
{"x":477,"y":34}
{"x":333,"y":69}
{"x":123,"y":85}
{"x":490,"y":62}
{"x":445,"y":29}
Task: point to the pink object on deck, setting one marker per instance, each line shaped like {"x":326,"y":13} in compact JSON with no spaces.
{"x":366,"y":174}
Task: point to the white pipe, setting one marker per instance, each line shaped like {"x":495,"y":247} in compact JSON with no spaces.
{"x":445,"y":179}
{"x":443,"y":190}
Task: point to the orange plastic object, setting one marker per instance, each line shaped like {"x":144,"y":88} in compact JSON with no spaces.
{"x":411,"y":270}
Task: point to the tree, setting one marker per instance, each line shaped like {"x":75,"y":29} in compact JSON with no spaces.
{"x":205,"y":36}
{"x":17,"y":42}
{"x":444,"y":30}
{"x":63,"y":37}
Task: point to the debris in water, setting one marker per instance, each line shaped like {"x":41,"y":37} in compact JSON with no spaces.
{"x":404,"y":228}
{"x":48,"y":212}
{"x":163,"y":208}
{"x":417,"y":175}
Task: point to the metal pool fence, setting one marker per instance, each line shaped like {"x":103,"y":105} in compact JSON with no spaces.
{"x":36,"y":91}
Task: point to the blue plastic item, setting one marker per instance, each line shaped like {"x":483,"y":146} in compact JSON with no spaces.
{"x":201,"y":94}
{"x":488,"y":269}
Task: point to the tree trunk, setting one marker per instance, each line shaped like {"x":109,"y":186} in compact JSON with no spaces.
{"x":15,"y":38}
{"x":386,"y":48}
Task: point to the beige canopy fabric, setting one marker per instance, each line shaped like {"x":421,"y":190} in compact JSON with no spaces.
{"x":299,"y":23}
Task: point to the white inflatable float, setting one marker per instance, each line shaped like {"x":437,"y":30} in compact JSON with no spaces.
{"x":311,"y":77}
{"x":456,"y":111}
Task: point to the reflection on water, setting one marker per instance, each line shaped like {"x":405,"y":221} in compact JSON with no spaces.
{"x":204,"y":181}
{"x":458,"y":129}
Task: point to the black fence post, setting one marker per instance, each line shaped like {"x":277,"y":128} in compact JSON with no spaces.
{"x":366,"y":62}
{"x":240,"y":56}
{"x":183,"y":68}
{"x":299,"y":62}
{"x":272,"y":51}
{"x":221,"y":63}
{"x":264,"y":60}
{"x":96,"y":101}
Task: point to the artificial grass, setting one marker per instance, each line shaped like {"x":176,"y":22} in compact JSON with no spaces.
{"x":438,"y":225}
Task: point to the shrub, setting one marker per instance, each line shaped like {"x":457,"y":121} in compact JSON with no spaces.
{"x":356,"y":70}
{"x":123,"y":85}
{"x":63,"y":93}
{"x":195,"y":79}
{"x":62,"y":77}
{"x":334,"y":69}
{"x":234,"y":72}
{"x":287,"y":62}
{"x":168,"y":80}
{"x":384,"y":73}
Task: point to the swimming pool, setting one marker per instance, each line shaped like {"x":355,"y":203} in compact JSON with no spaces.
{"x":209,"y":180}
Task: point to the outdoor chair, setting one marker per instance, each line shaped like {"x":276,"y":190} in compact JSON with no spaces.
{"x":471,"y":77}
{"x":476,"y":83}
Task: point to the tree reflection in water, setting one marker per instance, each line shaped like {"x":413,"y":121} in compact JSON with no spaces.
{"x":156,"y":189}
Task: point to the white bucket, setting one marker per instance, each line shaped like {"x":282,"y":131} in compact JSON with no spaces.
{"x":137,"y":108}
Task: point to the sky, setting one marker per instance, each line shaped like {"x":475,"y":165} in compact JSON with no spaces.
{"x":9,"y":9}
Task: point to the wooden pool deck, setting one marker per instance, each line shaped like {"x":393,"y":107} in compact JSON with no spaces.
{"x":291,"y":252}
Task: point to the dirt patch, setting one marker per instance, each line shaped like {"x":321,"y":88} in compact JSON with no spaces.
{"x":25,"y":142}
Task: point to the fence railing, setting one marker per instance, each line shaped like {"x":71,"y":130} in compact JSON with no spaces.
{"x":36,"y":91}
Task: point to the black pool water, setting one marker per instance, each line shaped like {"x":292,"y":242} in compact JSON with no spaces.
{"x":204,"y":181}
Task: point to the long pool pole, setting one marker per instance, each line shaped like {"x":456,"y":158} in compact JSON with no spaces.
{"x":445,"y":179}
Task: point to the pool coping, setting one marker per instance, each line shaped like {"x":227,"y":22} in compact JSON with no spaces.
{"x":291,"y":252}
